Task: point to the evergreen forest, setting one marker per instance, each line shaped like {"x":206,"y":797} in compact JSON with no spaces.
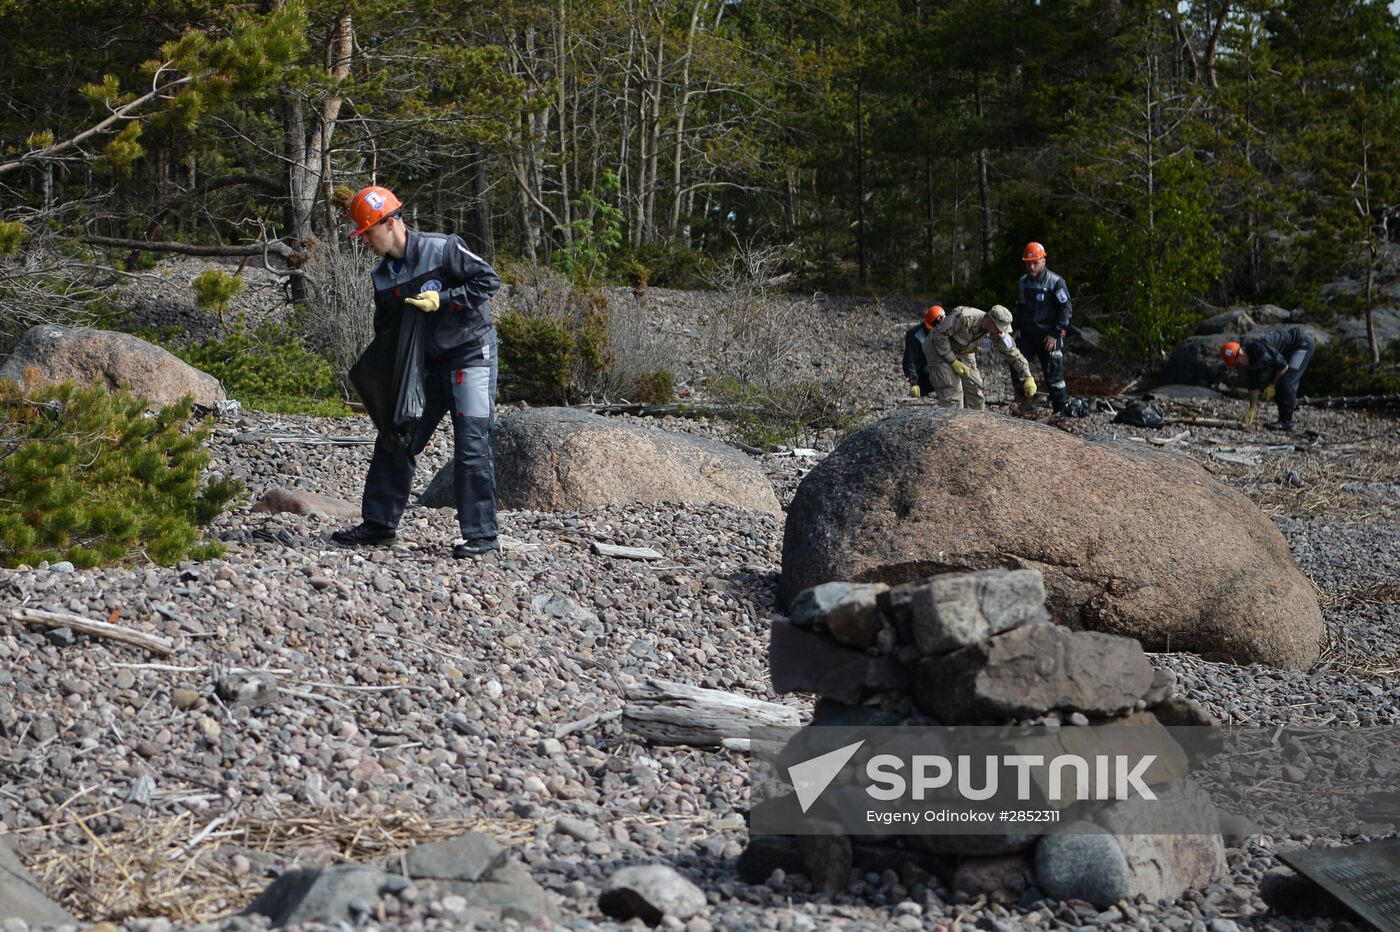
{"x":1173,"y":157}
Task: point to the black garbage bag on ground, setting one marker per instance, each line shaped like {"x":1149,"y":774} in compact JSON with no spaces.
{"x":389,"y":378}
{"x":1141,"y":414}
{"x":1076,"y":407}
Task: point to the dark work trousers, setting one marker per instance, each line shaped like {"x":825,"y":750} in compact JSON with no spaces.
{"x":1286,"y":391}
{"x":470,"y":395}
{"x":1052,"y":365}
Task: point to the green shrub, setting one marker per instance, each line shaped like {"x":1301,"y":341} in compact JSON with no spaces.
{"x":537,"y":355}
{"x":656,"y":387}
{"x":784,"y":412}
{"x":86,"y":476}
{"x":1338,"y":371}
{"x":213,"y":290}
{"x":12,"y":235}
{"x":638,"y":275}
{"x":267,"y":369}
{"x":557,"y":341}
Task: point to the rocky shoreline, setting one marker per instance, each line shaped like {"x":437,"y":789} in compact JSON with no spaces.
{"x":414,"y":697}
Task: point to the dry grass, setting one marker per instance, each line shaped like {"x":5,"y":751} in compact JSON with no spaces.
{"x":182,"y":867}
{"x":1323,"y":472}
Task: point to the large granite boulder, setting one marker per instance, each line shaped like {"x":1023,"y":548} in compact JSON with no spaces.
{"x":1352,"y":330}
{"x":560,"y":459}
{"x":49,"y":354}
{"x":1130,"y":540}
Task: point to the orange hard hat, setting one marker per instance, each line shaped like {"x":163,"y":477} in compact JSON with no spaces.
{"x":1230,"y":353}
{"x":369,"y":206}
{"x":933,"y":315}
{"x":1033,"y":251}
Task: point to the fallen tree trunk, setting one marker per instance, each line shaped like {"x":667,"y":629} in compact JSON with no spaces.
{"x":664,"y":712}
{"x":193,"y":249}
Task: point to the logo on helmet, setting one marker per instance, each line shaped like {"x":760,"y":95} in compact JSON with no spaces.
{"x":375,"y":200}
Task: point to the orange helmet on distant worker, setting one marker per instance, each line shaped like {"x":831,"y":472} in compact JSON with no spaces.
{"x":1033,"y":252}
{"x":932,"y":316}
{"x":1230,"y":353}
{"x":369,"y":206}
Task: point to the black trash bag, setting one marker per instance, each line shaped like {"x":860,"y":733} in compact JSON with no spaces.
{"x":1076,"y":407}
{"x":389,"y":379}
{"x":1141,"y":414}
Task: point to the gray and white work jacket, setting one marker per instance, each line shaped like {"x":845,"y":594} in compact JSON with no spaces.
{"x":460,"y":333}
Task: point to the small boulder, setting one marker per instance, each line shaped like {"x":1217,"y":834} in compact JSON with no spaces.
{"x":49,"y":355}
{"x":469,"y":856}
{"x":811,"y":662}
{"x":1003,"y":879}
{"x":650,"y":892}
{"x":1031,"y":670}
{"x":1082,"y":862}
{"x":561,"y":459}
{"x":848,"y":611}
{"x":960,"y":609}
{"x":302,"y":502}
{"x":1235,"y":320}
{"x":329,"y":895}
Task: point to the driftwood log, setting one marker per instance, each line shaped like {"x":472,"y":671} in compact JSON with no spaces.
{"x":671,"y":410}
{"x":664,"y":712}
{"x":1352,"y":401}
{"x":94,"y":628}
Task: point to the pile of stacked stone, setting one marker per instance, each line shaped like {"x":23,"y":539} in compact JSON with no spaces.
{"x":980,"y":649}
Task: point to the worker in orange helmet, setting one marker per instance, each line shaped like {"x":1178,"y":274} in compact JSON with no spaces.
{"x":1041,"y":321}
{"x":437,"y":274}
{"x":1274,"y":362}
{"x":915,"y":360}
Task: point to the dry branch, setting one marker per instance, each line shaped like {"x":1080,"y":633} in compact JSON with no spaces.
{"x":101,"y":629}
{"x":192,"y":249}
{"x":664,"y":712}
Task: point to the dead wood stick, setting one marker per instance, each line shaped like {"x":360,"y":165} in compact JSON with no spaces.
{"x":1203,"y":421}
{"x":101,"y":629}
{"x":588,"y":721}
{"x":663,"y":712}
{"x":1351,"y":401}
{"x":673,"y":410}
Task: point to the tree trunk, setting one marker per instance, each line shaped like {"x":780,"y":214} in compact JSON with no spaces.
{"x":652,"y":166}
{"x":682,"y":108}
{"x":561,"y":104}
{"x":860,"y":182}
{"x":483,"y":240}
{"x":984,"y":188}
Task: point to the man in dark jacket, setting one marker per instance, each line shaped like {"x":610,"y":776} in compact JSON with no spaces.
{"x":1041,"y":321}
{"x":1274,"y":362}
{"x":440,"y":276}
{"x":915,"y":360}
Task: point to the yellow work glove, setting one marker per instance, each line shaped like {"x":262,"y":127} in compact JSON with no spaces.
{"x":1028,"y":386}
{"x":1250,"y":415}
{"x":959,"y":367}
{"x":1269,"y":393}
{"x":914,"y":390}
{"x":426,"y":301}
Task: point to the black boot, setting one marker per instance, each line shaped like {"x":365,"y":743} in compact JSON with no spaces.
{"x":363,"y":534}
{"x":475,"y":547}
